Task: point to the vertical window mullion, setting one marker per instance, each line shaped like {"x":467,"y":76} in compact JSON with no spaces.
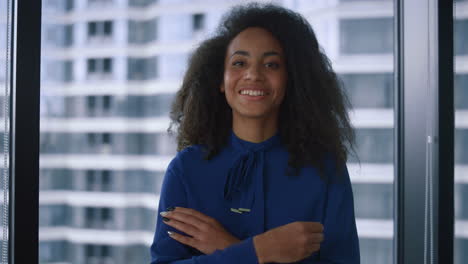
{"x":24,"y":195}
{"x":425,"y":130}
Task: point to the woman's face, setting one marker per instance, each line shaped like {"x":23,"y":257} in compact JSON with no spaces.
{"x":255,"y":74}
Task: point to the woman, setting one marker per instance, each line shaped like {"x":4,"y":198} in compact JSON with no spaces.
{"x":262,"y":130}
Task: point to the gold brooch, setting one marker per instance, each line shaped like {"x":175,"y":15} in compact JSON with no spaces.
{"x":240,"y":210}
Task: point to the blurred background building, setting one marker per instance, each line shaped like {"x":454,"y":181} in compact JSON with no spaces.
{"x":110,"y":69}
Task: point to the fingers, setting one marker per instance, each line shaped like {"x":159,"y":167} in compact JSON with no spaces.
{"x":314,"y":227}
{"x":182,"y":239}
{"x":181,"y":226}
{"x":315,"y":238}
{"x":187,"y":219}
{"x":313,"y":248}
{"x":312,"y":231}
{"x":196,"y":214}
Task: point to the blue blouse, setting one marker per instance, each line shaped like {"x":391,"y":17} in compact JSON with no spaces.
{"x":245,"y":188}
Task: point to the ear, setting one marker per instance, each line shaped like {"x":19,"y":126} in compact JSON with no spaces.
{"x":221,"y":88}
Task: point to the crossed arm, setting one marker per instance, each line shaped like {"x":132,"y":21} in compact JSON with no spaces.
{"x":191,"y":230}
{"x":285,"y":244}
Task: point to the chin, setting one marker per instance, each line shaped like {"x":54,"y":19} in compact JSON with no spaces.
{"x":254,"y":114}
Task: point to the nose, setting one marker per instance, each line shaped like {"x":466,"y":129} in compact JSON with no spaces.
{"x":254,"y":73}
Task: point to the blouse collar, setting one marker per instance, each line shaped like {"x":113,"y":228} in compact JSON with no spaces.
{"x":254,"y":147}
{"x":245,"y":175}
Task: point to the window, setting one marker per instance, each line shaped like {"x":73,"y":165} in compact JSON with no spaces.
{"x":98,"y":254}
{"x":91,"y":140}
{"x":106,"y":139}
{"x":92,"y":29}
{"x":98,"y":143}
{"x":366,"y":36}
{"x":374,"y":200}
{"x":55,"y":215}
{"x":98,"y":69}
{"x":106,"y":102}
{"x":69,"y":5}
{"x":98,"y":217}
{"x":141,"y":3}
{"x":369,"y":90}
{"x":106,"y":180}
{"x":99,"y":3}
{"x":461,"y":146}
{"x":96,"y":106}
{"x":59,"y":35}
{"x":92,"y":65}
{"x":142,"y":69}
{"x":60,"y":71}
{"x":54,"y":251}
{"x":130,"y":106}
{"x":67,"y":71}
{"x":98,"y":180}
{"x":100,"y":31}
{"x":461,"y":36}
{"x":56,"y":179}
{"x":68,"y":35}
{"x":91,"y":105}
{"x":377,"y":250}
{"x":107,"y":65}
{"x":461,"y":91}
{"x":374,"y":145}
{"x":198,"y":22}
{"x":142,"y":31}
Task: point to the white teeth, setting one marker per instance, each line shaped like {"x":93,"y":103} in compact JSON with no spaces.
{"x":253,"y":93}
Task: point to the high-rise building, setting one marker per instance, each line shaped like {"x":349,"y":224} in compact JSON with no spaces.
{"x":110,"y":69}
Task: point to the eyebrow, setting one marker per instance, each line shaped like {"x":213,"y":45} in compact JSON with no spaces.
{"x":245,"y":53}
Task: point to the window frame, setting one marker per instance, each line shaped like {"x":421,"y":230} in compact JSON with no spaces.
{"x":424,"y":148}
{"x":24,"y":155}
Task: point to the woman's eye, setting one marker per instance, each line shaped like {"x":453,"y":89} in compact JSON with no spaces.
{"x":273,"y":65}
{"x":238,"y":63}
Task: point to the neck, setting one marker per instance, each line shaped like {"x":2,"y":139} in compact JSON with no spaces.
{"x":254,"y":130}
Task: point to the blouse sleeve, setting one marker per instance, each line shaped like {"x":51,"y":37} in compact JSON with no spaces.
{"x":166,"y":250}
{"x":341,"y":244}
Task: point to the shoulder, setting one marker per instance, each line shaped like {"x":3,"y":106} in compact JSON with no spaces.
{"x":335,"y":169}
{"x":186,"y":157}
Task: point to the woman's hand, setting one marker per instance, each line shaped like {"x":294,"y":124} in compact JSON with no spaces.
{"x":289,"y":243}
{"x":206,"y":233}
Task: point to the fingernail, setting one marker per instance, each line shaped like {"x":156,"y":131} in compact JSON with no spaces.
{"x":163,"y":213}
{"x":170,"y":208}
{"x":165,"y":219}
{"x":170,"y":233}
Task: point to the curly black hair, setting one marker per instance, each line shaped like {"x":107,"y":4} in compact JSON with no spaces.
{"x":313,"y":117}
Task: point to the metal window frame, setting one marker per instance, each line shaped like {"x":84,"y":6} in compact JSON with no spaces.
{"x":424,"y":124}
{"x":24,"y":155}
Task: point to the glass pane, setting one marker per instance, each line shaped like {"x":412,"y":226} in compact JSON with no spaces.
{"x":361,"y":50}
{"x":107,"y":86}
{"x":104,"y":146}
{"x":461,"y":131}
{"x":5,"y":92}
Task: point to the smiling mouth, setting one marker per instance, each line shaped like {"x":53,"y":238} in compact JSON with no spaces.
{"x":253,"y":92}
